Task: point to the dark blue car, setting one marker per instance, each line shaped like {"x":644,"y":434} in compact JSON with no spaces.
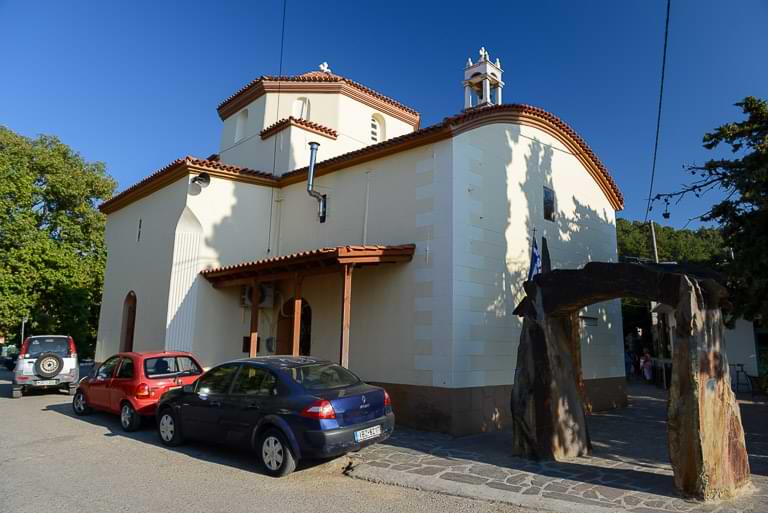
{"x":286,"y":408}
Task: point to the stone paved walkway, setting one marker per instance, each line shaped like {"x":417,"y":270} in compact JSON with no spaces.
{"x":629,"y":469}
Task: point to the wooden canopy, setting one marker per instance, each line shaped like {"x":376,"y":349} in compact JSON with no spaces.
{"x":307,"y":263}
{"x":296,"y":267}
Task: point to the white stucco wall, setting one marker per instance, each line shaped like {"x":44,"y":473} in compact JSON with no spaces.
{"x":234,"y":218}
{"x":400,"y":328}
{"x":500,"y":172}
{"x":143,"y":266}
{"x":444,"y":319}
{"x":740,"y":346}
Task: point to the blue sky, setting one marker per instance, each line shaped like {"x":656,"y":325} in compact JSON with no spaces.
{"x":136,"y":84}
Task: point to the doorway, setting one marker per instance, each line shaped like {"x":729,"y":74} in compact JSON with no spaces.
{"x":129,"y":322}
{"x":285,"y":328}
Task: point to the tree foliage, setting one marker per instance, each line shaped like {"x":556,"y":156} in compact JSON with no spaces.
{"x":704,"y":245}
{"x":52,"y":253}
{"x":743,"y":212}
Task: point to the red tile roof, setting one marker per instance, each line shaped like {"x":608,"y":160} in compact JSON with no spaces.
{"x":302,"y":123}
{"x":259,"y":86}
{"x":449,"y":127}
{"x":468,"y":120}
{"x":174,"y":171}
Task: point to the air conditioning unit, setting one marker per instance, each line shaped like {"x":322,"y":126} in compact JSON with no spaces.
{"x":245,"y":296}
{"x":266,"y":295}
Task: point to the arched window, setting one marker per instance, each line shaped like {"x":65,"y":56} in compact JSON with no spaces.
{"x":129,"y":322}
{"x":301,"y":108}
{"x":378,"y":133}
{"x":240,"y":124}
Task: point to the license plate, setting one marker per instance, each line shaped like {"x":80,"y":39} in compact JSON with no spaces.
{"x":367,"y":434}
{"x":46,"y":382}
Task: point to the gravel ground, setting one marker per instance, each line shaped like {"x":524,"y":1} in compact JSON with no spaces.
{"x":51,"y":460}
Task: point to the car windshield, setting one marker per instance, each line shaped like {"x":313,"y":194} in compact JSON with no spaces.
{"x":322,"y":376}
{"x":56,"y":345}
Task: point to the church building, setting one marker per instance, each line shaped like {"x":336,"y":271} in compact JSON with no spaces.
{"x":331,"y":224}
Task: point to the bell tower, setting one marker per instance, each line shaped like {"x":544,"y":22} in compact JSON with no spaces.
{"x":482,"y":81}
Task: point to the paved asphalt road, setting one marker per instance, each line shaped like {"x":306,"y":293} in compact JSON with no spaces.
{"x":52,"y":461}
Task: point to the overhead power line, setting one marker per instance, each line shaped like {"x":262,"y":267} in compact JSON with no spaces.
{"x":277,"y":116}
{"x":658,"y":116}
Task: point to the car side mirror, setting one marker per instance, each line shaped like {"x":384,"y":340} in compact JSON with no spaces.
{"x":188,"y":389}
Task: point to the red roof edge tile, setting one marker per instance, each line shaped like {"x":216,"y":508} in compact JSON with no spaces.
{"x":258,"y":87}
{"x":176,"y":170}
{"x":301,"y":123}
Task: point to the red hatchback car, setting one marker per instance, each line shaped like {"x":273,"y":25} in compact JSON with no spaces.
{"x":131,"y":384}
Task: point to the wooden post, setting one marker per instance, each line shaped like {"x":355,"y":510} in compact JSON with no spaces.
{"x":253,"y":348}
{"x":295,"y":346}
{"x":346,"y":311}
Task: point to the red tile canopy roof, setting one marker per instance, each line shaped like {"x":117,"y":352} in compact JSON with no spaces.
{"x":311,"y":262}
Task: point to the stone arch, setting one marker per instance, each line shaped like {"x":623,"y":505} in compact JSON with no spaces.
{"x":705,"y":434}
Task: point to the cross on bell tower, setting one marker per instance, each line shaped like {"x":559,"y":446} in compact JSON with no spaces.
{"x":482,"y":81}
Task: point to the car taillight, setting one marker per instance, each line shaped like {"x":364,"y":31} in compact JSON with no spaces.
{"x":321,"y":409}
{"x":142,"y":391}
{"x":387,"y":400}
{"x":72,"y":348}
{"x":24,"y":348}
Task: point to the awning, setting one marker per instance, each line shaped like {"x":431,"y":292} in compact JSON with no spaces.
{"x":298,"y":266}
{"x":307,"y":263}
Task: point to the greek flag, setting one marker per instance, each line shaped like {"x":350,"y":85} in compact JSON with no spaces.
{"x":535,"y":262}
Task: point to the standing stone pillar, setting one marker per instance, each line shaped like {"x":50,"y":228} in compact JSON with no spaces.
{"x":547,"y":411}
{"x":706,"y":438}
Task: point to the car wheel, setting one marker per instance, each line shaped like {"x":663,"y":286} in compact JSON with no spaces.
{"x":168,"y":428}
{"x":129,"y":419}
{"x":80,"y":405}
{"x":16,"y":393}
{"x":275,"y":454}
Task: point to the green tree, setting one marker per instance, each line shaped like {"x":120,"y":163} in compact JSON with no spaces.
{"x":704,"y":245}
{"x":743,"y":212}
{"x":52,"y":253}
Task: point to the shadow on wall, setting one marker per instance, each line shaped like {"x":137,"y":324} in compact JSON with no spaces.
{"x":242,"y":233}
{"x":571,"y":236}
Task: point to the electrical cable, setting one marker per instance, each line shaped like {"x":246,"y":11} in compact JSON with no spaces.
{"x":658,"y":117}
{"x":277,"y":115}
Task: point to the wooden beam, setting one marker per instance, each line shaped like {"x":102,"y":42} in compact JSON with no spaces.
{"x":254,"y":342}
{"x":374,"y":259}
{"x":295,"y":346}
{"x":346,"y":311}
{"x":220,"y":283}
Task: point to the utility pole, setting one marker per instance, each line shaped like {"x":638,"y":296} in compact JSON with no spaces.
{"x":653,"y":244}
{"x":23,"y":324}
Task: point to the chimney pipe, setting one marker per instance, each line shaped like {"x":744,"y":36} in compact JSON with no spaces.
{"x":321,"y":198}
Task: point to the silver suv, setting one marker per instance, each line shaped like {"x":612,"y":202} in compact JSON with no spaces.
{"x":46,"y":361}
